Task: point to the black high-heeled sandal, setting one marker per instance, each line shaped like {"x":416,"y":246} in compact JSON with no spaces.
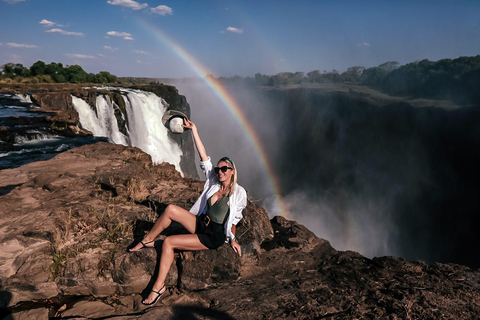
{"x":144,"y":245}
{"x":157,"y":298}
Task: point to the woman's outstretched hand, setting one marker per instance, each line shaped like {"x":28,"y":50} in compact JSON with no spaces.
{"x":188,"y":124}
{"x":236,"y":247}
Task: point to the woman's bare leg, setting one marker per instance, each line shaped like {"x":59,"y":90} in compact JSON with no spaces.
{"x":180,"y":242}
{"x":171,"y":213}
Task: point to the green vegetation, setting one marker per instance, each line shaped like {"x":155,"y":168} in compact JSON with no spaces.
{"x":40,"y":72}
{"x":449,"y":79}
{"x":455,"y":80}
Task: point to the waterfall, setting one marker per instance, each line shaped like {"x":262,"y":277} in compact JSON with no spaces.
{"x":143,"y":123}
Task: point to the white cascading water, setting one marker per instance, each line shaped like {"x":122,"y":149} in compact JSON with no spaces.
{"x":145,"y":129}
{"x":102,"y":123}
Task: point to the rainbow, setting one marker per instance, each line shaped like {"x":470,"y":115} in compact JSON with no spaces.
{"x":227,"y":101}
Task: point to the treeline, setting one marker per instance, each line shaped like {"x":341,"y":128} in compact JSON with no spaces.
{"x":40,"y":72}
{"x":452,"y":79}
{"x":358,"y":75}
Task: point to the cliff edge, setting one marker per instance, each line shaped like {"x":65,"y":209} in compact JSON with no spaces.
{"x":66,"y":223}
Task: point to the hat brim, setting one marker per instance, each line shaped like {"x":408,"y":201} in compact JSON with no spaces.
{"x":169,"y":114}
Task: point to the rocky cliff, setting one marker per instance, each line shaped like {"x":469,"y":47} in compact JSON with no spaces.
{"x":55,"y":101}
{"x":66,"y":222}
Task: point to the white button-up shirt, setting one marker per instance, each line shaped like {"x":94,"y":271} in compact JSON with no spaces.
{"x":238,"y":200}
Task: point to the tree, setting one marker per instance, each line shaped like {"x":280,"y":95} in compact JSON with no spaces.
{"x":38,"y":68}
{"x":353,"y":74}
{"x":53,"y":69}
{"x":314,"y":76}
{"x":20,"y":70}
{"x":389,"y":66}
{"x":373,"y":76}
{"x":333,"y":76}
{"x":107,"y":77}
{"x":8,"y":69}
{"x":297,"y":77}
{"x":261,"y":80}
{"x":55,"y":72}
{"x":75,"y":74}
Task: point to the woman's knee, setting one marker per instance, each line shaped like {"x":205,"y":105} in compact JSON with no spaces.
{"x":167,"y":243}
{"x":171,"y":210}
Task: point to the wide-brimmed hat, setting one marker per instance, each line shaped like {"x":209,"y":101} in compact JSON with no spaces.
{"x":173,"y":120}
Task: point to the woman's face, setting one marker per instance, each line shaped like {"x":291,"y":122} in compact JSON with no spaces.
{"x":227,"y":175}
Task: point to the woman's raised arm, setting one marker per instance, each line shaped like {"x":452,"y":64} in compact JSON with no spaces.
{"x":202,"y":152}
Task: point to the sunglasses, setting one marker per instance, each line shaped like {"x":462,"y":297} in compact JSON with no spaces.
{"x":224,"y":169}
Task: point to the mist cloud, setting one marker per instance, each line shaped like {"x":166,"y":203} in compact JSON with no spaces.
{"x":21,"y":45}
{"x":141,"y":52}
{"x":79,"y":56}
{"x":234,"y":30}
{"x":47,"y":23}
{"x":110,"y":48}
{"x":364,"y":44}
{"x":13,"y":1}
{"x":65,"y":33}
{"x":162,"y":10}
{"x":124,"y":35}
{"x":134,"y":5}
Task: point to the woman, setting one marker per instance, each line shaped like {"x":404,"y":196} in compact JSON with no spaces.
{"x":211,"y":221}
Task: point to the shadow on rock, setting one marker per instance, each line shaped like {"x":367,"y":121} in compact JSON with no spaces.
{"x":6,"y":189}
{"x":187,"y":312}
{"x":5,"y":298}
{"x":141,"y":227}
{"x":156,"y":206}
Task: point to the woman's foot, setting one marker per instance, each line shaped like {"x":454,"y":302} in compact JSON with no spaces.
{"x":154,"y":296}
{"x":142,"y":245}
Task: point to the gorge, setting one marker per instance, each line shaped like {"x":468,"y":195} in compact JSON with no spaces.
{"x":370,"y":172}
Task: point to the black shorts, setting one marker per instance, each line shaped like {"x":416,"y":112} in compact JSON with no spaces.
{"x":211,"y":236}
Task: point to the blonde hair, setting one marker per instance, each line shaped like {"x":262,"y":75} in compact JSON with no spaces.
{"x":233,"y":181}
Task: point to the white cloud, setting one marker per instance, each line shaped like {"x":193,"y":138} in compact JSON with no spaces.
{"x":65,"y":33}
{"x":110,"y":48}
{"x":234,"y":30}
{"x":128,"y":4}
{"x":21,"y":45}
{"x":141,"y":52}
{"x":162,"y":10}
{"x":13,"y":1}
{"x":79,"y":56}
{"x":101,"y":55}
{"x":47,"y":23}
{"x":124,"y":35}
{"x":364,"y":44}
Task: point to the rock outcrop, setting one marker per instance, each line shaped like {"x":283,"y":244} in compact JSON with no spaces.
{"x":66,"y":222}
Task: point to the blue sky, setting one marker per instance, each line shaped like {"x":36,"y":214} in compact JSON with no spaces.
{"x":235,"y":37}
